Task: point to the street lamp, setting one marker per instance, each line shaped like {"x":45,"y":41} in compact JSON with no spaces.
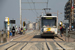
{"x":57,"y":18}
{"x":20,"y":16}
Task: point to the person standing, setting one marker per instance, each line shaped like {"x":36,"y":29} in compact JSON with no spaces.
{"x":2,"y":33}
{"x":61,"y":31}
{"x":21,"y":31}
{"x":10,"y":34}
{"x":13,"y":31}
{"x":16,"y":31}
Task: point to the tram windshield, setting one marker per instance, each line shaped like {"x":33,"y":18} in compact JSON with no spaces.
{"x":49,"y":22}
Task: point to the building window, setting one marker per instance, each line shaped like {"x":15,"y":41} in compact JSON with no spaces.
{"x":74,"y":20}
{"x":74,"y":6}
{"x":74,"y":11}
{"x":74,"y":15}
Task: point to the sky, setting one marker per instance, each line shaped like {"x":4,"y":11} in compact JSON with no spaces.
{"x":11,"y":9}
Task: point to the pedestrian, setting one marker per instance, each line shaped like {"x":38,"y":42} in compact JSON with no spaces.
{"x":10,"y":34}
{"x":13,"y":31}
{"x":61,"y":31}
{"x":21,"y":31}
{"x":16,"y":31}
{"x":2,"y":33}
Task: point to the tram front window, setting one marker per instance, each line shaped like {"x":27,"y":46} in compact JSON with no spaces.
{"x":50,"y":23}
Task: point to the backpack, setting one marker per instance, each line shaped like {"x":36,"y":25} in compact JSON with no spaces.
{"x":60,"y":28}
{"x":21,"y":30}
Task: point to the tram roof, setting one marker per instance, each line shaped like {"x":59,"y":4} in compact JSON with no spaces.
{"x":49,"y":16}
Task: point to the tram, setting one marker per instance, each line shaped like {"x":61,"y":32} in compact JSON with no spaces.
{"x":49,"y":26}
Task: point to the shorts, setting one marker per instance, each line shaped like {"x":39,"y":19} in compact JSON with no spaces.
{"x":1,"y":35}
{"x":61,"y":32}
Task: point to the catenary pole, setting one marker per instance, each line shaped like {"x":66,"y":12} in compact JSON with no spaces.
{"x":20,"y":16}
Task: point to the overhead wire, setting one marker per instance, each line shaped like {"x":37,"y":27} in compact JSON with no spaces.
{"x":47,"y":3}
{"x":46,"y":9}
{"x":31,"y":8}
{"x":34,"y":7}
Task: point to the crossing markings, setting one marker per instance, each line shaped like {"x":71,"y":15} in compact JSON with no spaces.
{"x":18,"y":47}
{"x":66,"y":47}
{"x":12,"y":48}
{"x":6,"y":46}
{"x":57,"y":47}
{"x":49,"y":46}
{"x":28,"y":46}
{"x":45,"y":47}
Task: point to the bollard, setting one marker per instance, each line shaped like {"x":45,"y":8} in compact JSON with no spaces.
{"x":66,"y":33}
{"x":24,"y":32}
{"x":0,"y":38}
{"x":4,"y":38}
{"x":8,"y":34}
{"x":68,"y":37}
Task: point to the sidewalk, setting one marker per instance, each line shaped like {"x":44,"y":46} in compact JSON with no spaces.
{"x":10,"y":39}
{"x":69,"y":44}
{"x":67,"y":39}
{"x":14,"y":37}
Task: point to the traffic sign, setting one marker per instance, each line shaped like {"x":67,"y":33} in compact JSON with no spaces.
{"x":6,"y":19}
{"x":65,"y":21}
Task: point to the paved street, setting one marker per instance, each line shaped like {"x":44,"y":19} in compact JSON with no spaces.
{"x":33,"y":41}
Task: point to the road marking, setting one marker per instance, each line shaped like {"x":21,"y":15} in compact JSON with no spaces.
{"x":18,"y":37}
{"x":45,"y":47}
{"x":66,"y":47}
{"x":58,"y":47}
{"x":28,"y":46}
{"x":49,"y":46}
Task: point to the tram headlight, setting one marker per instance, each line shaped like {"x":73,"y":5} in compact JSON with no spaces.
{"x":52,"y":31}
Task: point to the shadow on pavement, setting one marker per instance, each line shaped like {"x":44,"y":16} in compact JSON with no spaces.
{"x":40,"y":37}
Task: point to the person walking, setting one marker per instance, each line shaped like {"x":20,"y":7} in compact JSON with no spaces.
{"x":10,"y":34}
{"x":13,"y":31}
{"x":61,"y":31}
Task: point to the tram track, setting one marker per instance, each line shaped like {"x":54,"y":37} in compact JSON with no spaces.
{"x":47,"y":44}
{"x":26,"y":43}
{"x":36,"y":41}
{"x":19,"y":44}
{"x":59,"y":44}
{"x":27,"y":40}
{"x":10,"y":43}
{"x":10,"y":46}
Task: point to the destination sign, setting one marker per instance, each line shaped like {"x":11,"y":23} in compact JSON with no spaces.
{"x":49,"y":18}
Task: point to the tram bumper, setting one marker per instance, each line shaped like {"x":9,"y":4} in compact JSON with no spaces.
{"x":48,"y":35}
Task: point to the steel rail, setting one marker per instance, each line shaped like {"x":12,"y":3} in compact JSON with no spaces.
{"x":47,"y":44}
{"x":10,"y":46}
{"x":59,"y":44}
{"x":7,"y":44}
